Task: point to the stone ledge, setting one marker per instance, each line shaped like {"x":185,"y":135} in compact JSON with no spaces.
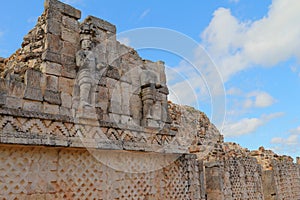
{"x":30,"y":114}
{"x":30,"y":139}
{"x":100,"y":23}
{"x":64,"y":8}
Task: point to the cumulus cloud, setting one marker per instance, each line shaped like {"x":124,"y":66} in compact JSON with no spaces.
{"x":247,"y":125}
{"x":290,"y":144}
{"x":259,"y":99}
{"x":253,"y":99}
{"x":236,"y":45}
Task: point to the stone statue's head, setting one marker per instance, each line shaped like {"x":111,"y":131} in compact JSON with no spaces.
{"x":86,"y":44}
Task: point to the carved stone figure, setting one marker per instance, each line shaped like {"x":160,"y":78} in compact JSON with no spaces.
{"x":86,"y":63}
{"x":149,"y":87}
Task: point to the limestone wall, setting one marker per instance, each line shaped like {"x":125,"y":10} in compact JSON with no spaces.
{"x":85,"y":117}
{"x":236,"y":178}
{"x":104,"y":91}
{"x":56,"y":173}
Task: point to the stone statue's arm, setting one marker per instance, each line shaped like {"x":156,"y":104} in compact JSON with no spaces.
{"x":80,"y":58}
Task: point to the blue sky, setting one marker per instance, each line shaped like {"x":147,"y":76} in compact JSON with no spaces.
{"x":251,"y":50}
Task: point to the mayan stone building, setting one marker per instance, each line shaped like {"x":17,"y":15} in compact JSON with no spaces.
{"x":83,"y":116}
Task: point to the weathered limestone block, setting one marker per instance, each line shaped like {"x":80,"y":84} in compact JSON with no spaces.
{"x":3,"y":92}
{"x":101,"y":24}
{"x":33,"y":78}
{"x":214,"y":182}
{"x":65,"y":85}
{"x":52,"y":97}
{"x":51,"y":56}
{"x":53,"y":43}
{"x":51,"y":83}
{"x":51,"y":68}
{"x":33,"y":85}
{"x":13,"y":102}
{"x":70,"y":23}
{"x":33,"y":106}
{"x":269,"y":187}
{"x":68,"y":69}
{"x":51,"y":109}
{"x":53,"y":25}
{"x":66,"y":100}
{"x":70,"y":35}
{"x":63,"y":8}
{"x":112,"y":72}
{"x":65,"y":111}
{"x":3,"y":97}
{"x":33,"y":94}
{"x":16,"y":89}
{"x":68,"y":49}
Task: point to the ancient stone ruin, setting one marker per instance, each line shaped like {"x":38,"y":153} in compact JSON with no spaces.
{"x":84,"y":117}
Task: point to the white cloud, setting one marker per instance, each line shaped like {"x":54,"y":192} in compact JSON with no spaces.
{"x":254,"y":99}
{"x":237,"y":45}
{"x":247,"y":125}
{"x":261,"y":99}
{"x":289,"y":144}
{"x":234,"y":91}
{"x":145,"y":13}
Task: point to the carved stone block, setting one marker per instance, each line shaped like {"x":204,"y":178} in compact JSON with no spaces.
{"x":32,"y":93}
{"x":52,"y":83}
{"x":13,"y":102}
{"x":70,"y":23}
{"x":51,"y":68}
{"x":53,"y":26}
{"x":51,"y":109}
{"x":102,"y":94}
{"x":3,"y":97}
{"x":63,"y":8}
{"x":52,"y":97}
{"x":68,"y":49}
{"x":68,"y":72}
{"x":33,"y":78}
{"x":65,"y":85}
{"x":33,"y":106}
{"x":51,"y":56}
{"x":102,"y":24}
{"x":53,"y":43}
{"x":113,"y":72}
{"x":66,"y":100}
{"x":72,"y":12}
{"x":16,"y":89}
{"x":70,"y":36}
{"x":65,"y":111}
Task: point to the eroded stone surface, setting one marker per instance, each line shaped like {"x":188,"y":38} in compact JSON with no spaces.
{"x":74,"y":89}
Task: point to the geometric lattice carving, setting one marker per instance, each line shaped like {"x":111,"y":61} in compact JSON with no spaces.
{"x":44,"y":127}
{"x":54,"y":173}
{"x":287,"y":180}
{"x":242,"y":179}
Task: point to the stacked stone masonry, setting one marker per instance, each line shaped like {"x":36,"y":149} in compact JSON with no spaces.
{"x":60,"y":173}
{"x":83,"y":116}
